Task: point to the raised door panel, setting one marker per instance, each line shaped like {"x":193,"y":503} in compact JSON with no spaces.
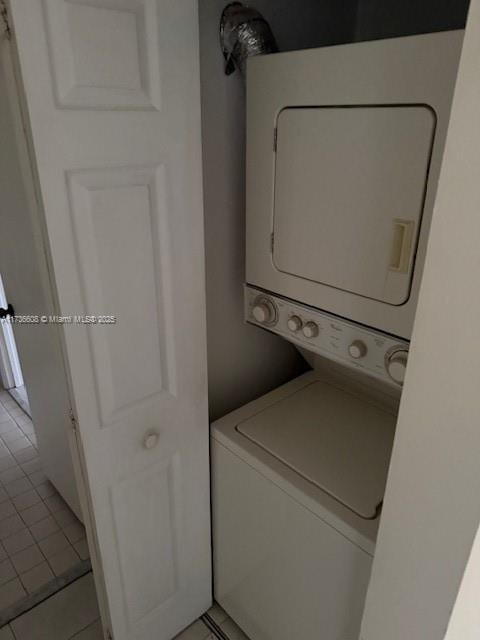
{"x":104,"y":53}
{"x":145,"y":506}
{"x":121,"y":235}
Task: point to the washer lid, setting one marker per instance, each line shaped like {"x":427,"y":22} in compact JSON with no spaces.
{"x":334,"y":439}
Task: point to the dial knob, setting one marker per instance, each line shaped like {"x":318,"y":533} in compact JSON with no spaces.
{"x":396,"y":363}
{"x":357,"y":349}
{"x":310,"y":330}
{"x":294,"y":323}
{"x":264,"y":312}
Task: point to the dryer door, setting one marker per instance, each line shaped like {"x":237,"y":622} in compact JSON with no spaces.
{"x":349,"y":192}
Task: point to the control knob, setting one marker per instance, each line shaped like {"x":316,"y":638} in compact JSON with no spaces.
{"x":310,"y":330}
{"x":264,"y":311}
{"x":396,"y":364}
{"x":294,"y":323}
{"x":357,"y":349}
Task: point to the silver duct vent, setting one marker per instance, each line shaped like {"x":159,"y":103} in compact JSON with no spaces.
{"x":244,"y":32}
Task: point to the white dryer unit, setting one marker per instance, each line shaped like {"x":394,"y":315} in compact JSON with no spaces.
{"x":344,"y":146}
{"x":298,"y":479}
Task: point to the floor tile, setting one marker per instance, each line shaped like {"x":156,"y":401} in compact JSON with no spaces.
{"x":53,"y":544}
{"x":25,"y":423}
{"x":65,"y":517}
{"x":74,"y":532}
{"x":9,"y":475}
{"x":33,"y":439}
{"x":62,"y":616}
{"x":27,"y":559}
{"x":45,"y":489}
{"x":25,"y":500}
{"x":37,"y":477}
{"x":11,"y":525}
{"x":7,"y":509}
{"x":19,"y":444}
{"x":92,"y":632}
{"x":55,"y":503}
{"x":43,"y":529}
{"x":17,"y":542}
{"x":7,"y":462}
{"x":16,"y":410}
{"x":197,"y":631}
{"x":63,"y":561}
{"x":81,"y":547}
{"x":232,"y":630}
{"x":25,"y":455}
{"x":32,"y":465}
{"x":27,"y":427}
{"x":34,"y":514}
{"x":7,"y":571}
{"x":4,"y":450}
{"x":11,"y":436}
{"x":11,"y":592}
{"x":17,"y":487}
{"x":6,"y":424}
{"x":6,"y":634}
{"x":37,"y":577}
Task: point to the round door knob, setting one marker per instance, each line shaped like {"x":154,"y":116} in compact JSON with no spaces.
{"x":396,"y":364}
{"x":310,"y":330}
{"x":150,"y":440}
{"x":294,"y":323}
{"x":357,"y":349}
{"x":264,"y":312}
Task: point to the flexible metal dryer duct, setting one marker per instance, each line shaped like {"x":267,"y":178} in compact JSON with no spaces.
{"x":244,"y":32}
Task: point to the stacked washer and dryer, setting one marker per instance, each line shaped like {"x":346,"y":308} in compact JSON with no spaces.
{"x":344,"y":147}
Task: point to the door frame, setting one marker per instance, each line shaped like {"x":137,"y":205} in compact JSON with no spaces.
{"x":10,"y":365}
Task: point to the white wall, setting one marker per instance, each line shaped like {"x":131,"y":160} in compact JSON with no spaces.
{"x":432,"y":507}
{"x":465,"y":621}
{"x":244,"y":361}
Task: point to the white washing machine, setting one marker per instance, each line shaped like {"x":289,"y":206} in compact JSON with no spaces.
{"x":298,"y":479}
{"x":298,"y":482}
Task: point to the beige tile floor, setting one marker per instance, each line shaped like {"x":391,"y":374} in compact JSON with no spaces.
{"x":40,"y":537}
{"x":72,"y":614}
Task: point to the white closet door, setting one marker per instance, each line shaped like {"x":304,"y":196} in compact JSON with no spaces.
{"x":112,"y":93}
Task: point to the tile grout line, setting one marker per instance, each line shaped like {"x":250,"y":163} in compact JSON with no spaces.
{"x":214,"y":627}
{"x":17,"y":415}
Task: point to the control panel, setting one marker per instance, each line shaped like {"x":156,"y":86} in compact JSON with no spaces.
{"x":378,"y":354}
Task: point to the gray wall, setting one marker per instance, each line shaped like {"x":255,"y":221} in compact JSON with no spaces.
{"x":244,"y":362}
{"x":392,"y":18}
